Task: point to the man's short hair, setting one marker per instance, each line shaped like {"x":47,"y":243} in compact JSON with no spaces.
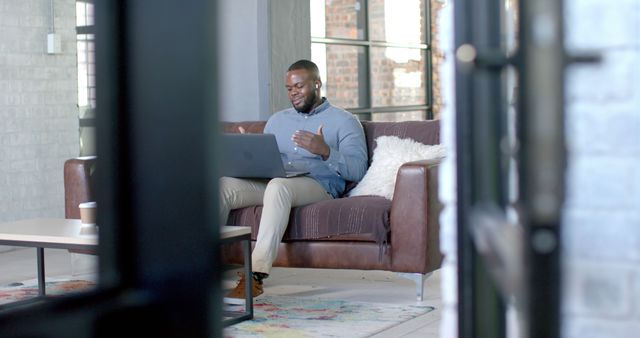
{"x":306,"y":65}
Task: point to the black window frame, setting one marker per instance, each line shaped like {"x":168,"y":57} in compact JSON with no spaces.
{"x":366,"y":113}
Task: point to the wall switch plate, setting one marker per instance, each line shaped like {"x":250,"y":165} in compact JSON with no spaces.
{"x":54,"y":45}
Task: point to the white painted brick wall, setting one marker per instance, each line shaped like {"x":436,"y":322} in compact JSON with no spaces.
{"x":601,"y":292}
{"x":38,"y":108}
{"x":601,"y":222}
{"x":589,"y":292}
{"x":447,"y":180}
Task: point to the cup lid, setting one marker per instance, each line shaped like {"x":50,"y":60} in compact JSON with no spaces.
{"x":88,"y":205}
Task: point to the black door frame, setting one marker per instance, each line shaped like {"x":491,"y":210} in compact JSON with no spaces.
{"x":156,"y":186}
{"x":498,"y":261}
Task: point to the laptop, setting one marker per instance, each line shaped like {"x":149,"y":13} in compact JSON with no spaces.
{"x":253,"y":156}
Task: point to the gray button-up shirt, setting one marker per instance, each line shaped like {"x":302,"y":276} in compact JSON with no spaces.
{"x":342,"y":132}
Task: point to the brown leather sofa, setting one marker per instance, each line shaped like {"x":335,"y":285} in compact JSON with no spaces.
{"x":361,"y":232}
{"x":364,"y":232}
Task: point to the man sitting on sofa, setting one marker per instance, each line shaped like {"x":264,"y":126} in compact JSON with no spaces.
{"x":313,"y":136}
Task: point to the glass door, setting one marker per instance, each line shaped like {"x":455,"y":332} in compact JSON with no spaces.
{"x":510,"y":159}
{"x":156,"y":98}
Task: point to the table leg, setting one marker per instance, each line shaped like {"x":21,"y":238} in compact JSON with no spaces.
{"x":246,"y":248}
{"x":41,"y":285}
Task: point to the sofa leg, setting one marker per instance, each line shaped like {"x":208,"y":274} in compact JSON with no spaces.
{"x":417,"y":278}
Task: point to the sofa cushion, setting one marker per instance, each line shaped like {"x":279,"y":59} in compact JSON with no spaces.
{"x":425,"y":132}
{"x":391,"y":152}
{"x":363,"y":218}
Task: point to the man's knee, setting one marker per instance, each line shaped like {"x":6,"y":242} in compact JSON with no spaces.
{"x":278,"y":186}
{"x":229,"y":190}
{"x":224,"y":184}
{"x":278,"y":183}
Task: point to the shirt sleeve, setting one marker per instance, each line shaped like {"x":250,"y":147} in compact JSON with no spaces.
{"x":349,"y":160}
{"x":268,"y":127}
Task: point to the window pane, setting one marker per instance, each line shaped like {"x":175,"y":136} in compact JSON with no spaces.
{"x":338,"y":19}
{"x":343,"y":73}
{"x":84,"y":13}
{"x":398,"y":76}
{"x":87,"y":141}
{"x":397,"y":21}
{"x":363,"y":116}
{"x":417,"y":115}
{"x":86,"y":71}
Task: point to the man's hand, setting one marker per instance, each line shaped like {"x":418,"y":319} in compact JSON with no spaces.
{"x":314,"y":143}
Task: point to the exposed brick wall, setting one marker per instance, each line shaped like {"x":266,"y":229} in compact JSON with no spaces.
{"x":38,"y":108}
{"x":343,"y":61}
{"x":390,"y":69}
{"x":437,"y":59}
{"x":396,"y":79}
{"x":342,"y":68}
{"x":342,"y":20}
{"x":376,"y":18}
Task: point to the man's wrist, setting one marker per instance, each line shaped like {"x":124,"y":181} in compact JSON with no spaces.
{"x":326,"y":154}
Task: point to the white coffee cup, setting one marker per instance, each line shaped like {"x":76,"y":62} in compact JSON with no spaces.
{"x":88,"y":212}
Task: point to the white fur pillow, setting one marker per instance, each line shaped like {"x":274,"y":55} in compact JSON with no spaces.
{"x":391,"y":152}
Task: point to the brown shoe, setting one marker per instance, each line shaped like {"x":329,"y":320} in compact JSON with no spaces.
{"x":238,"y":293}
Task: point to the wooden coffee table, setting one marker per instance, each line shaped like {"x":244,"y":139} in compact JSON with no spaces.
{"x":41,"y":233}
{"x":57,"y":233}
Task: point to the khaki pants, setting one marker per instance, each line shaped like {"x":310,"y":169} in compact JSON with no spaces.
{"x":277,"y":196}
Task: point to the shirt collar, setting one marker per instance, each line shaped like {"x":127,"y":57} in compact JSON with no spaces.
{"x":319,"y":109}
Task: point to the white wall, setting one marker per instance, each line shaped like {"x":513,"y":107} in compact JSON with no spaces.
{"x":258,"y":41}
{"x":238,"y":54}
{"x":447,"y":172}
{"x":38,"y":108}
{"x":38,"y":92}
{"x":290,"y":42}
{"x":601,"y":225}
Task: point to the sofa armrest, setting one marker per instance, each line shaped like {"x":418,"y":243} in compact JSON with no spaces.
{"x":77,"y":184}
{"x":251,"y":127}
{"x":415,"y":209}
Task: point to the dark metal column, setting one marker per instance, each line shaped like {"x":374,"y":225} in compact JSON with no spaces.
{"x":481,"y":184}
{"x":42,"y":287}
{"x":523,"y":259}
{"x":542,"y":159}
{"x":156,"y":181}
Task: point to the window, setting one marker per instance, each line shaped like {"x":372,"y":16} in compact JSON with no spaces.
{"x":374,"y":56}
{"x":86,"y":74}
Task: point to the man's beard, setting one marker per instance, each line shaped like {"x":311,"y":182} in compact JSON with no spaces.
{"x":307,"y":104}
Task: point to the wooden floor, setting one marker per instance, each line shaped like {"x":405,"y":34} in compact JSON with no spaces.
{"x":18,"y":264}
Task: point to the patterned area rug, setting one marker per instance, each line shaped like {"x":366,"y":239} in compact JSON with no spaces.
{"x":29,"y":289}
{"x":285,"y":316}
{"x":274,"y":316}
